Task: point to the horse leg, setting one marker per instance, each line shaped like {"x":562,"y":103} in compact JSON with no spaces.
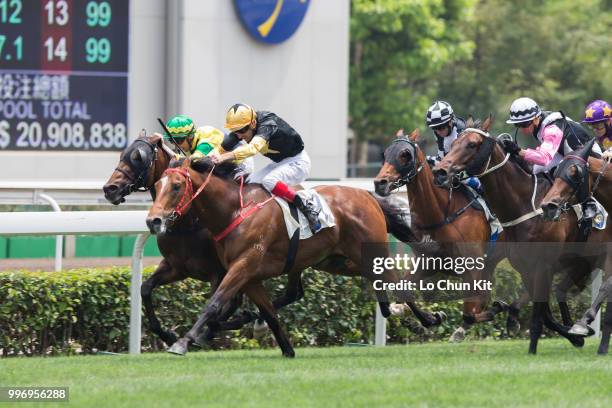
{"x":561,"y":295}
{"x":551,"y":323}
{"x":513,"y":325}
{"x":536,"y":326}
{"x":237,"y":276}
{"x":216,"y":326}
{"x":607,"y":328}
{"x":163,"y":275}
{"x":257,"y":293}
{"x":582,"y":326}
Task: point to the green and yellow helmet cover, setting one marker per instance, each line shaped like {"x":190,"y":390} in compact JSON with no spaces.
{"x":180,"y":127}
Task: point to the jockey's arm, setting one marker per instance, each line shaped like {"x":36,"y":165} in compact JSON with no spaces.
{"x":202,"y":150}
{"x":258,"y":144}
{"x":543,"y":154}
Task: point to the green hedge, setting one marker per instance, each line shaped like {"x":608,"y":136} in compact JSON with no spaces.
{"x":88,"y":309}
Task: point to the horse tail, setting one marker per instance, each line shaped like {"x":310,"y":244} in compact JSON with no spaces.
{"x":398,"y":219}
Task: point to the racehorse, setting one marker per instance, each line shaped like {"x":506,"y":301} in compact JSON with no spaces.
{"x":513,"y":194}
{"x":188,"y":249}
{"x":576,"y":178}
{"x":448,"y":219}
{"x":253,"y":245}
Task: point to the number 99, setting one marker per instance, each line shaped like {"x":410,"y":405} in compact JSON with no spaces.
{"x":98,"y":50}
{"x":98,"y":14}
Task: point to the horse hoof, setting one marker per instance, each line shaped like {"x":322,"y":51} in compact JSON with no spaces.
{"x":178,"y":348}
{"x":260,"y":330}
{"x":581,"y":330}
{"x":577,"y":341}
{"x":458,"y":336}
{"x":440,"y":317}
{"x":289,"y":353}
{"x":513,"y":327}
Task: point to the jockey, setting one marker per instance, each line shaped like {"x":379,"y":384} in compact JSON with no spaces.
{"x":200,"y":142}
{"x":266,"y":133}
{"x":557,"y":135}
{"x":598,"y":115}
{"x":446,"y":128}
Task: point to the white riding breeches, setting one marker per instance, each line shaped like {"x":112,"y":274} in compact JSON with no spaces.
{"x":291,"y":171}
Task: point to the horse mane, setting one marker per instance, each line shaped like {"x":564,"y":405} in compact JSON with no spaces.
{"x":224,"y":170}
{"x":176,"y":162}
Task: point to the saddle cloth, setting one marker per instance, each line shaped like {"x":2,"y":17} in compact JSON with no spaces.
{"x":494,"y":224}
{"x":600,"y":219}
{"x":326,"y":217}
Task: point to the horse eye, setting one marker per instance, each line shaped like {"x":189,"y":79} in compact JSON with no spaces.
{"x":472,"y":145}
{"x":176,"y":186}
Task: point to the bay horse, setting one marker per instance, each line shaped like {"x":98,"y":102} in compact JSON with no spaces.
{"x":576,"y":178}
{"x":450,"y":220}
{"x":514,"y":195}
{"x":255,"y":247}
{"x":188,"y":249}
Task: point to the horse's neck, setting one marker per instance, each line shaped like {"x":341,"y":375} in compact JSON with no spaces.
{"x":509,"y":189}
{"x":218,"y":204}
{"x":603,"y":192}
{"x":426,"y":200}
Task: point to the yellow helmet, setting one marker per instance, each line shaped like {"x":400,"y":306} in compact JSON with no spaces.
{"x":240,"y":116}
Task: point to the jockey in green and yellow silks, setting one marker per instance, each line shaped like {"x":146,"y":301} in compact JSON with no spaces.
{"x":201,"y":141}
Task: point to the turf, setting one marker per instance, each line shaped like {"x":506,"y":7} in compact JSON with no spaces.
{"x":488,"y":373}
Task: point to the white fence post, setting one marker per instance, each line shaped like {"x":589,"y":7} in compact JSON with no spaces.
{"x":135,"y":299}
{"x":59,"y":239}
{"x":595,"y":286}
{"x":380,"y":328}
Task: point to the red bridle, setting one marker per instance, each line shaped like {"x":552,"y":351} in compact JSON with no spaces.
{"x":188,"y":195}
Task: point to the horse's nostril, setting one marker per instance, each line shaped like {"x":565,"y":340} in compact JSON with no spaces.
{"x":382,"y":182}
{"x":110,"y":189}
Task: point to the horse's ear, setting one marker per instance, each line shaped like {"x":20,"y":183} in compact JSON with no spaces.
{"x":486,"y":125}
{"x":143,"y":133}
{"x":156,"y":137}
{"x":414,"y":135}
{"x":399,"y":133}
{"x":469,"y":122}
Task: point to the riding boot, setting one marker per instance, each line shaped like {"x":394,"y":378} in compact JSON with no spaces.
{"x":307,"y":207}
{"x":310,"y":211}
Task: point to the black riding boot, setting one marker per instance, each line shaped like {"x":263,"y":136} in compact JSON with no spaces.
{"x":308,"y":208}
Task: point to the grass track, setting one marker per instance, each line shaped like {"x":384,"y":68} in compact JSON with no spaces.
{"x":489,"y":373}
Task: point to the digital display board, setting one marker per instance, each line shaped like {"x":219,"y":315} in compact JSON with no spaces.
{"x":63,"y":74}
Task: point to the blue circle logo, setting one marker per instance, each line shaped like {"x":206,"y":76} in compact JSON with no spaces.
{"x":271,"y":21}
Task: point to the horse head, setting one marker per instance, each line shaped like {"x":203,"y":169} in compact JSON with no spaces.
{"x":571,"y":185}
{"x":470,"y":153}
{"x":401,"y":164}
{"x":136,"y":168}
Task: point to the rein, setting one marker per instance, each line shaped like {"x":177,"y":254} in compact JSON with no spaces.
{"x":188,"y":195}
{"x":241,"y":217}
{"x":600,"y":175}
{"x":407,"y":177}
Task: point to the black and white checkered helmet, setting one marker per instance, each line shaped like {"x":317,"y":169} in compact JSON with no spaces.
{"x":523,"y":110}
{"x":438,"y":114}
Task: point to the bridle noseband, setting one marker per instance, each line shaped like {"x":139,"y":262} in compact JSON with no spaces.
{"x":188,"y":195}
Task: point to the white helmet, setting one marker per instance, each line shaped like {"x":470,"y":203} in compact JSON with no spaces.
{"x":438,"y":114}
{"x":523,"y":110}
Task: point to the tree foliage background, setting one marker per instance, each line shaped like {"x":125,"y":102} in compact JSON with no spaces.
{"x":478,"y":55}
